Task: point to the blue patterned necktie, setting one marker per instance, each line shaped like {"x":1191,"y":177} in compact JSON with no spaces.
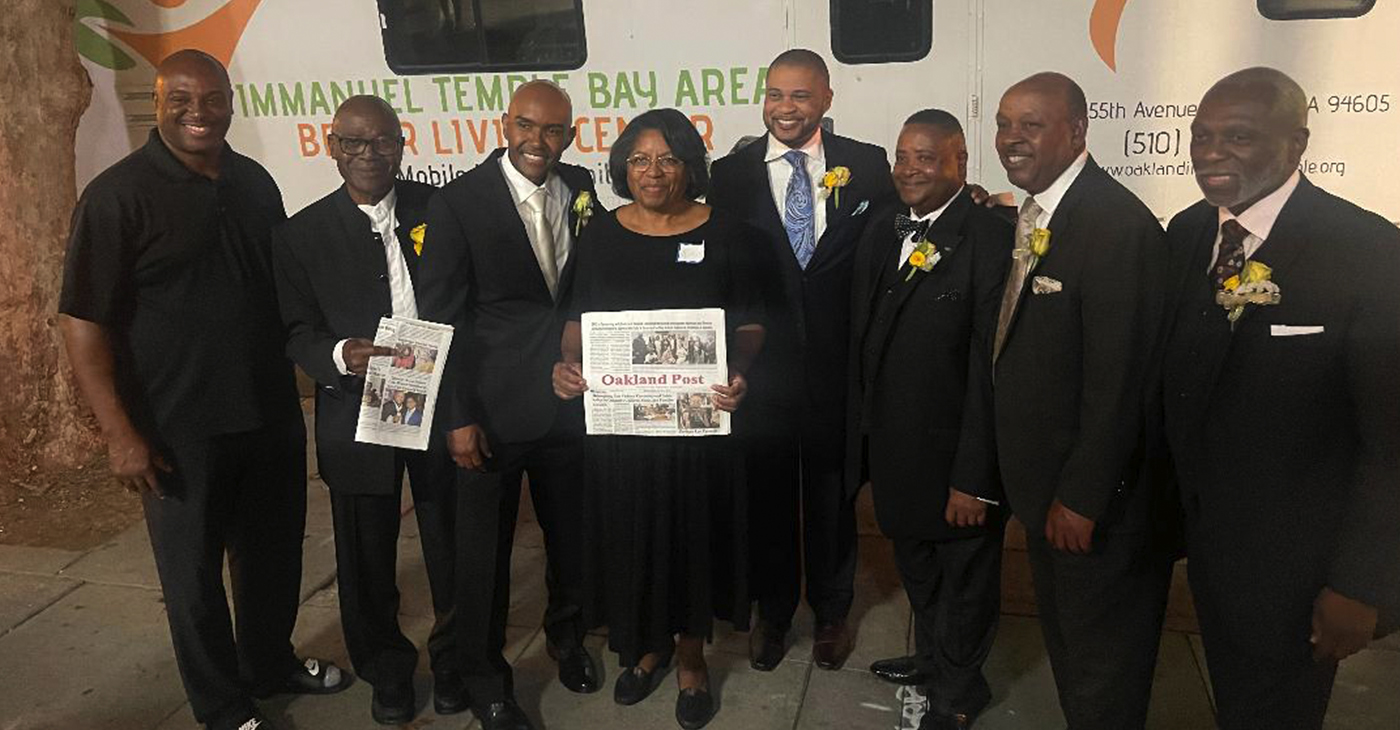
{"x":798,"y":218}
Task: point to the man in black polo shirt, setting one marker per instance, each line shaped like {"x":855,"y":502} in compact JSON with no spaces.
{"x":170,"y":320}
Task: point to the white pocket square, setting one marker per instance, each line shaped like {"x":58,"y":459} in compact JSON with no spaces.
{"x":1045,"y":285}
{"x":861,"y":208}
{"x":1294,"y":330}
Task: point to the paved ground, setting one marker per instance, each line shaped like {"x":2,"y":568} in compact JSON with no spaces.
{"x":84,"y":646}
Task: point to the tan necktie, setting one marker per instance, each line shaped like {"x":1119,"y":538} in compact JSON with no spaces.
{"x":1020,"y":269}
{"x":543,"y":241}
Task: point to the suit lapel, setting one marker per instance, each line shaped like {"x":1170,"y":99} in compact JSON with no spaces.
{"x":945,"y":233}
{"x":566,"y":276}
{"x":836,"y":152}
{"x":502,"y":204}
{"x":1286,"y":239}
{"x":410,"y":212}
{"x":357,"y":230}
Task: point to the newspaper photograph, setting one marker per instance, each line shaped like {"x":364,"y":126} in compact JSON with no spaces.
{"x":401,"y":390}
{"x":649,"y":372}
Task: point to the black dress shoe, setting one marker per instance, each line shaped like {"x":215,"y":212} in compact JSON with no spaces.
{"x":392,"y":704}
{"x":577,"y":670}
{"x":635,"y":684}
{"x":695,"y":707}
{"x":900,"y":670}
{"x":503,"y":716}
{"x":767,"y":645}
{"x":831,"y":644}
{"x":937,"y":721}
{"x":449,"y":693}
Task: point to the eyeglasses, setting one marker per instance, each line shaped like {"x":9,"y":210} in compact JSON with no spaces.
{"x":642,"y":163}
{"x":355,"y":146}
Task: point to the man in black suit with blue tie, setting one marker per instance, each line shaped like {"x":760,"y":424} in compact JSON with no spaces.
{"x":808,"y":190}
{"x":341,"y":264}
{"x":496,"y":264}
{"x":1282,"y":408}
{"x":927,"y":286}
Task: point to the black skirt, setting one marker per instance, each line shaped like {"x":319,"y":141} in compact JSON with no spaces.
{"x":666,"y":522}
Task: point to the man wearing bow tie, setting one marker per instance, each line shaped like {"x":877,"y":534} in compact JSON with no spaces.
{"x":1282,"y":408}
{"x":496,"y":264}
{"x":924,"y":299}
{"x":1077,"y":323}
{"x":788,"y":184}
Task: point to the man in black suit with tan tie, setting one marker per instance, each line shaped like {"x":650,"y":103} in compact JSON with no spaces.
{"x":925,"y":294}
{"x":1078,"y":321}
{"x":342,"y":263}
{"x":1282,"y":408}
{"x":809,"y":191}
{"x":496,"y":264}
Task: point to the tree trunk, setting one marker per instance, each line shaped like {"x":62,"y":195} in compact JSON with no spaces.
{"x":43,"y":92}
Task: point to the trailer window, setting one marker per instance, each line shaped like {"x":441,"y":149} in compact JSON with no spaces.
{"x":1301,"y":9}
{"x":422,"y":36}
{"x":881,"y":31}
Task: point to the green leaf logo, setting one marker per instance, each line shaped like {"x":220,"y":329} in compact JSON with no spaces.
{"x":94,"y":47}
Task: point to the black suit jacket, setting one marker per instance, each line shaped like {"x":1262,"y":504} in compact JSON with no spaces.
{"x":921,"y":386}
{"x":480,"y":275}
{"x":801,"y":374}
{"x":1288,"y":447}
{"x":1069,"y":382}
{"x":333,"y":284}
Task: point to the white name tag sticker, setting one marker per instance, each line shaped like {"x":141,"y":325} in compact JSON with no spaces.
{"x":1294,"y":330}
{"x":690,"y":253}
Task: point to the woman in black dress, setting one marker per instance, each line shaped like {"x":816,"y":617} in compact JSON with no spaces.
{"x":665,"y":517}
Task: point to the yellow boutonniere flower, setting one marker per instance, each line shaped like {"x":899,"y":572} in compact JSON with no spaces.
{"x":1253,"y":285}
{"x":1232,"y":283}
{"x":416,"y":235}
{"x":1040,"y":242}
{"x":1257,"y":271}
{"x":583,"y":210}
{"x":923,"y":258}
{"x":835,"y":179}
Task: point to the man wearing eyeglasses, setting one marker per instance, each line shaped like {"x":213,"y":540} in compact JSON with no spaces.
{"x":341,"y":264}
{"x":496,"y":264}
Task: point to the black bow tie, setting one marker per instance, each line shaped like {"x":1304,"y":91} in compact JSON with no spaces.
{"x":904,"y":225}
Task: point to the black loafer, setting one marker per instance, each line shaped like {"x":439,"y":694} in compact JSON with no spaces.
{"x":577,"y":670}
{"x":392,"y":704}
{"x":767,"y":645}
{"x":449,"y":693}
{"x":900,"y":670}
{"x":635,"y":684}
{"x":503,"y":716}
{"x":695,"y":707}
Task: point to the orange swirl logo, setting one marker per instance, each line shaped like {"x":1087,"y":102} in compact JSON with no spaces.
{"x":1103,"y":30}
{"x":217,"y":34}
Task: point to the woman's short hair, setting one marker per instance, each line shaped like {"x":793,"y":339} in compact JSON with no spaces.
{"x":680,"y":135}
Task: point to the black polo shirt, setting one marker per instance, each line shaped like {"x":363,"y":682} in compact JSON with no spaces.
{"x":177,"y":268}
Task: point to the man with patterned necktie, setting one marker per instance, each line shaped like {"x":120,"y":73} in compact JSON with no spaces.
{"x":809,"y":190}
{"x":1282,"y":408}
{"x":1078,"y":321}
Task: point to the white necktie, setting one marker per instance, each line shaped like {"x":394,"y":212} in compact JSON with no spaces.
{"x":543,"y":240}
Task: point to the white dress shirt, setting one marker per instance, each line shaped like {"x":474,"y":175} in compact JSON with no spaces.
{"x":556,"y":207}
{"x":1258,"y":219}
{"x":383,"y":221}
{"x":1049,"y":198}
{"x":780,"y":173}
{"x":909,"y":243}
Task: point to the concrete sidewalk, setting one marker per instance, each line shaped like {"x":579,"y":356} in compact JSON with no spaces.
{"x":84,"y":646}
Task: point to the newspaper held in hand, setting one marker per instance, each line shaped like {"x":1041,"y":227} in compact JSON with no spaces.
{"x":396,"y":408}
{"x":649,"y":372}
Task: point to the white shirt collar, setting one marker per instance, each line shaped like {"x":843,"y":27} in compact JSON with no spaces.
{"x":933,"y":215}
{"x":1049,"y":198}
{"x":813,"y":148}
{"x":521,"y":188}
{"x":382,"y":210}
{"x":1259,"y":218}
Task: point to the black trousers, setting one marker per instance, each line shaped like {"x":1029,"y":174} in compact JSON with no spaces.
{"x":366,"y":552}
{"x":954,"y":588}
{"x":243,"y":494}
{"x":1101,"y":615}
{"x":800,"y":522}
{"x":1258,"y":690}
{"x":487,"y":504}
